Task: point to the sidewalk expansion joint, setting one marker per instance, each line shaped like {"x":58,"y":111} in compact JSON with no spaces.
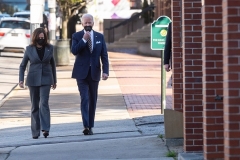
{"x":149,"y":123}
{"x":72,"y":141}
{"x":9,"y":153}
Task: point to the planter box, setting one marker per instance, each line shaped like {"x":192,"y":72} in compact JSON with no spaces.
{"x":61,"y":52}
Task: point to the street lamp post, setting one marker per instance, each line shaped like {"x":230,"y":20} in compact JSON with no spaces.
{"x":36,"y":13}
{"x":52,"y":19}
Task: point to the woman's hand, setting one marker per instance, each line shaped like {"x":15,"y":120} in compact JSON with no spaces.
{"x":21,"y":84}
{"x":54,"y":86}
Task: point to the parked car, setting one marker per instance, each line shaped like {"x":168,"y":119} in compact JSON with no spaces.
{"x":14,"y":34}
{"x":26,"y":14}
{"x":4,"y":15}
{"x":23,"y":14}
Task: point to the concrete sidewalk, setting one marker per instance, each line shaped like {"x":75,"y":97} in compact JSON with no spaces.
{"x":127,"y":101}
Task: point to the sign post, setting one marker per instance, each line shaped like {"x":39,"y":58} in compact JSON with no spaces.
{"x":158,"y":37}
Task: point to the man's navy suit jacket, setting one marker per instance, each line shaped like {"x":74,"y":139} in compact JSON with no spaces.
{"x":168,"y":46}
{"x":84,"y":58}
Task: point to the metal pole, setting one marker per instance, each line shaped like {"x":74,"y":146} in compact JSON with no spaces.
{"x":52,"y":19}
{"x":163,"y":84}
{"x":33,"y":27}
{"x":52,"y":28}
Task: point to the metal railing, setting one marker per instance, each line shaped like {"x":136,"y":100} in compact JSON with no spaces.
{"x":130,"y":28}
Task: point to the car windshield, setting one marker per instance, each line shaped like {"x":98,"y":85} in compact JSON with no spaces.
{"x":15,"y":24}
{"x":4,"y":15}
{"x":22,"y":15}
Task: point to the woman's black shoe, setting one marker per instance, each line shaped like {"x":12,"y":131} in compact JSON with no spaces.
{"x":45,"y":134}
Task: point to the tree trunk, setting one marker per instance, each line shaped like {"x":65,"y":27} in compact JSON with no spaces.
{"x":64,"y":27}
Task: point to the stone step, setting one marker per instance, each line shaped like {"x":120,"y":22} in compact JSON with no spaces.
{"x":127,"y":42}
{"x":140,"y":31}
{"x":146,"y":26}
{"x":143,"y":29}
{"x":130,"y":41}
{"x":137,"y":35}
{"x":120,"y":45}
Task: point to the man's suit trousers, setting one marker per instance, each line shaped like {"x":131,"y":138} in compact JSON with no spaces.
{"x":88,"y":89}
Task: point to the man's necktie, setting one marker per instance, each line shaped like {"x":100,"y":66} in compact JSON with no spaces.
{"x":90,"y":44}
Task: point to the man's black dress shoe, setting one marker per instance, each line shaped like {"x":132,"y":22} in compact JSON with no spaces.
{"x":36,"y":137}
{"x":86,"y":131}
{"x":90,"y":132}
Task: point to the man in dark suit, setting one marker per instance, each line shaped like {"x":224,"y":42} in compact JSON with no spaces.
{"x":89,"y":47}
{"x":168,"y":49}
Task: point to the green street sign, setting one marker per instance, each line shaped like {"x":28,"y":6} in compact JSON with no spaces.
{"x":159,"y":32}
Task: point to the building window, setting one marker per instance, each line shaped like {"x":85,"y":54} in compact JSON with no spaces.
{"x":135,"y":4}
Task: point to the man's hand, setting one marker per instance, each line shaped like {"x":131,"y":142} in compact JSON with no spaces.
{"x":21,"y":84}
{"x":86,"y":36}
{"x":167,"y":67}
{"x":104,"y":76}
{"x":54,"y":86}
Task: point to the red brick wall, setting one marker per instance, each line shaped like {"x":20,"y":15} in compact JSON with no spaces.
{"x":212,"y":79}
{"x":206,"y":63}
{"x":177,"y":75}
{"x":162,"y":8}
{"x":192,"y":75}
{"x":231,"y":69}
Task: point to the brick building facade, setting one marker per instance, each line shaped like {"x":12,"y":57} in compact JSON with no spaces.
{"x":206,"y":74}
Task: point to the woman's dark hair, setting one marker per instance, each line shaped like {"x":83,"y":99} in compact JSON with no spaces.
{"x":36,"y":34}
